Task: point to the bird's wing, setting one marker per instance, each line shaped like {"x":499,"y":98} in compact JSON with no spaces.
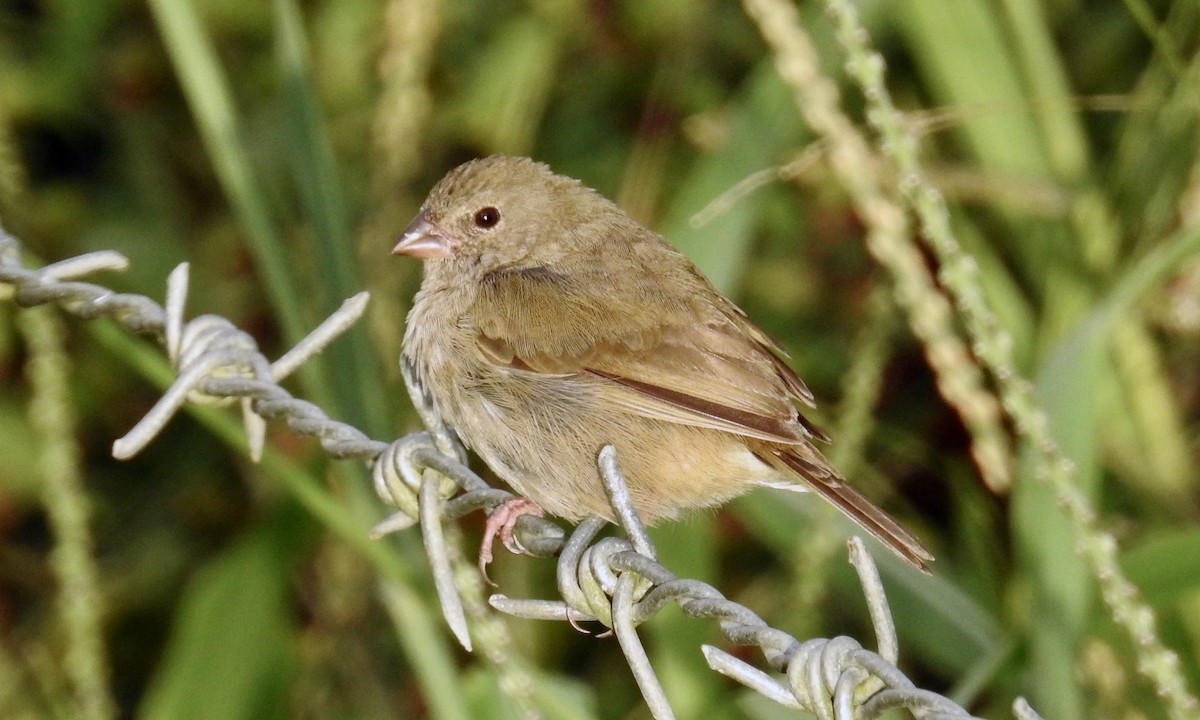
{"x":672,"y":358}
{"x":694,"y":366}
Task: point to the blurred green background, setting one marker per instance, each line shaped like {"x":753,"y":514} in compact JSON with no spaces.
{"x":279,"y":147}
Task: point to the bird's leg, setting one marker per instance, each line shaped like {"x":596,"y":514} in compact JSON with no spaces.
{"x":501,"y":521}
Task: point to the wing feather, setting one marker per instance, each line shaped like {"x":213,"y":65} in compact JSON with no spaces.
{"x":688,"y":362}
{"x":829,"y":485}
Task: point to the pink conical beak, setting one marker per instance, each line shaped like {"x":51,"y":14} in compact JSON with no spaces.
{"x":422,"y":239}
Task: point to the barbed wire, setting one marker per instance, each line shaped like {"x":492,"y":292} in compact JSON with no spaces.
{"x":616,"y":581}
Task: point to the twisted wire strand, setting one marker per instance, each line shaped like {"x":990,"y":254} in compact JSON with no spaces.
{"x":615,"y":580}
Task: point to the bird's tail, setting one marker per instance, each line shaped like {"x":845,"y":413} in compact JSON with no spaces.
{"x":818,"y":476}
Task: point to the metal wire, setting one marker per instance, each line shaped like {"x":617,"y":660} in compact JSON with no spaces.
{"x":616,"y":580}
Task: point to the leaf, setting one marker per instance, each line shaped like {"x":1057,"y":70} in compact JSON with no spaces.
{"x":230,"y":652}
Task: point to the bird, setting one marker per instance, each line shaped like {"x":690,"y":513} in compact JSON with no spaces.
{"x":549,"y":323}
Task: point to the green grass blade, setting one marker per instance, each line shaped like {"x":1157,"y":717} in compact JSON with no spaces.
{"x":1068,"y":389}
{"x":315,"y":179}
{"x":211,"y":101}
{"x":230,"y":656}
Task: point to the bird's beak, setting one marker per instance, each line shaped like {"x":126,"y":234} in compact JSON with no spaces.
{"x":422,"y":239}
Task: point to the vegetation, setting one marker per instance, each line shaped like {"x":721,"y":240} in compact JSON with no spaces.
{"x":1012,"y":372}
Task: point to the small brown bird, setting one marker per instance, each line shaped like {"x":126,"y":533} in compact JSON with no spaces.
{"x":549,"y":323}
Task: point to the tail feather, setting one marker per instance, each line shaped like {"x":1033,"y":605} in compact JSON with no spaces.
{"x":825,"y":481}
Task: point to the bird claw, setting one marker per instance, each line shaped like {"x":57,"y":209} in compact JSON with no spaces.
{"x":501,"y":521}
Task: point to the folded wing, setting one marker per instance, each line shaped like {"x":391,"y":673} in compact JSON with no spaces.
{"x":687,"y":361}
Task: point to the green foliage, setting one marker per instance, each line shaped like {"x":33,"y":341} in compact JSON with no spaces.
{"x":232,"y":652}
{"x":280,"y":147}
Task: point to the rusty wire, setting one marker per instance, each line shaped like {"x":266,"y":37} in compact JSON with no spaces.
{"x":424,"y":478}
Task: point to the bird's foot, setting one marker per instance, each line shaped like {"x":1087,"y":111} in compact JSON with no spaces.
{"x":501,"y":521}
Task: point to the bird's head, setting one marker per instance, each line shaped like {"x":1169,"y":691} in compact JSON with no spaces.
{"x":499,"y":212}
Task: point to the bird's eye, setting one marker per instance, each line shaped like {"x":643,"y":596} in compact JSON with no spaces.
{"x":487,"y":218}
